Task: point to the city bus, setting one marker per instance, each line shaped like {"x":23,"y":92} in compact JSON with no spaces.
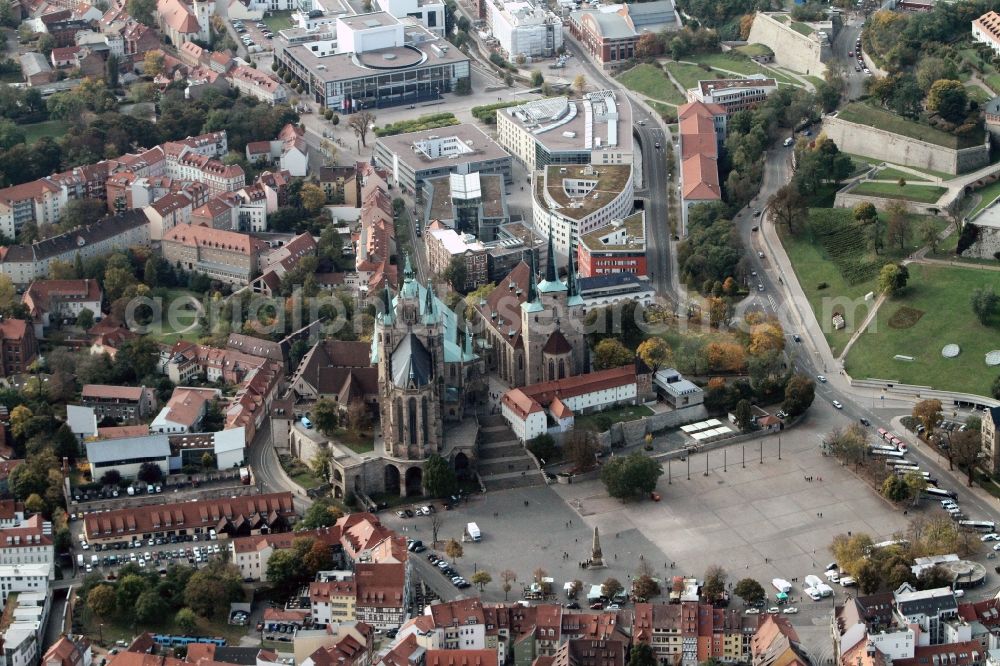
{"x":981,"y":525}
{"x":940,"y":492}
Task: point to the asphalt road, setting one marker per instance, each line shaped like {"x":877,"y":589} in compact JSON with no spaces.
{"x":842,"y":46}
{"x":655,"y":182}
{"x":267,"y":470}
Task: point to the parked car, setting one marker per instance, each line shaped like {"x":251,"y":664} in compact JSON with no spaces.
{"x":836,"y":403}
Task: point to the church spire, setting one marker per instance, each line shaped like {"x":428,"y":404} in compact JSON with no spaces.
{"x":407,"y":268}
{"x":531,"y":302}
{"x":386,"y":303}
{"x":573,"y":293}
{"x":551,"y":282}
{"x":429,"y":317}
{"x":550,"y":269}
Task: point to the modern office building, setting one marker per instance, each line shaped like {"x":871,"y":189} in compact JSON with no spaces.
{"x":596,"y":129}
{"x":734,"y":94}
{"x":410,"y":159}
{"x":617,"y":247}
{"x":571,"y":201}
{"x":370,"y":61}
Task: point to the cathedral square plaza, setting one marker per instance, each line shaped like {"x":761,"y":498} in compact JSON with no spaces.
{"x":741,"y":516}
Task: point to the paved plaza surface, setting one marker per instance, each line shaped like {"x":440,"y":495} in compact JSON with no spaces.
{"x":761,"y":521}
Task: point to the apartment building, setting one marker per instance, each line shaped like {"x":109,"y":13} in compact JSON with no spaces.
{"x":121,"y":403}
{"x":734,"y":95}
{"x":50,"y":301}
{"x":18,"y":346}
{"x":226,"y":256}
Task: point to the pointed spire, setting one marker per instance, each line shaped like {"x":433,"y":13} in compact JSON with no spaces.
{"x":572,"y":292}
{"x":429,"y":300}
{"x":532,"y":291}
{"x":387,"y":301}
{"x":550,"y":269}
{"x":407,"y":268}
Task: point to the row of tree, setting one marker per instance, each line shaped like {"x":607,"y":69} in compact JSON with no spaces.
{"x":138,"y":596}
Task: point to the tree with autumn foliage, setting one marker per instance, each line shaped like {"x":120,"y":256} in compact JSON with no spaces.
{"x":765,"y":338}
{"x":725,"y":357}
{"x":648,"y":46}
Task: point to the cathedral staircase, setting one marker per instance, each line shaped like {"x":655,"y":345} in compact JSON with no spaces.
{"x":503,"y":462}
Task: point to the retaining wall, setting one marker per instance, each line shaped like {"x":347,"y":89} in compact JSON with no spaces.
{"x":883,"y":145}
{"x":846,"y":198}
{"x":631,"y":433}
{"x":917,"y":393}
{"x":792,"y":49}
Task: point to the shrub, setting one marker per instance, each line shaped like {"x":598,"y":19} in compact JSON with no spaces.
{"x":822,"y":285}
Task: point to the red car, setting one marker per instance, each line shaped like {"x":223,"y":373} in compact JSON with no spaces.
{"x":597,"y":605}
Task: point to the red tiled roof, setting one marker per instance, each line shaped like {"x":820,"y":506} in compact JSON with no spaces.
{"x":461,"y":658}
{"x":203,"y":513}
{"x":112,"y":392}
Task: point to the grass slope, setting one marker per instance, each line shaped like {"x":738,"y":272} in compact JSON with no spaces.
{"x":941,"y":293}
{"x":921,"y":193}
{"x":651,"y":81}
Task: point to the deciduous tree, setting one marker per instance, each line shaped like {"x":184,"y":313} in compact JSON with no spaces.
{"x":898,"y":224}
{"x":610,"y":353}
{"x":482,"y":578}
{"x":642,"y":653}
{"x":715,"y":582}
{"x":928,"y":412}
{"x":102,"y":600}
{"x":654,"y":351}
{"x":507,"y":577}
{"x":985,"y":304}
{"x":454,"y":550}
{"x":749,"y":590}
{"x":788,"y":207}
{"x":949,"y":99}
{"x":966,"y":447}
{"x":892,"y":279}
{"x":439,"y":477}
{"x":631,"y":477}
{"x":580,"y":448}
{"x":360,"y":123}
{"x":610,"y":587}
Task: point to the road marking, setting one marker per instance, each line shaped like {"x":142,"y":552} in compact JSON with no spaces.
{"x":774,"y":305}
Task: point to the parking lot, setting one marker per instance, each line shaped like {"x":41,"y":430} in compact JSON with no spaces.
{"x":194,"y":550}
{"x":254,"y":35}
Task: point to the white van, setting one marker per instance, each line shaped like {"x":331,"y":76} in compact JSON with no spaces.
{"x":306,"y":423}
{"x":789,"y":141}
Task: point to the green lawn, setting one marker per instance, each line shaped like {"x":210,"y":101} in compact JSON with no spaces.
{"x":869,"y":115}
{"x":278,"y":20}
{"x":666,"y":111}
{"x":178,"y":322}
{"x":300,"y":472}
{"x":947,"y":318}
{"x":978,"y":94}
{"x":689,"y":75}
{"x":988,"y":194}
{"x":359,"y":442}
{"x":599,"y":420}
{"x":755,"y":50}
{"x":651,"y":81}
{"x":815,"y":80}
{"x":801,"y":28}
{"x":993,"y":81}
{"x":920,"y":193}
{"x":890,"y":173}
{"x":829,"y":232}
{"x":733,"y":62}
{"x":52,"y":128}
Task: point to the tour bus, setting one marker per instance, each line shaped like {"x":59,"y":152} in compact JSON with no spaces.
{"x":905,"y":464}
{"x":981,"y":525}
{"x":887,"y":453}
{"x":940,"y":492}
